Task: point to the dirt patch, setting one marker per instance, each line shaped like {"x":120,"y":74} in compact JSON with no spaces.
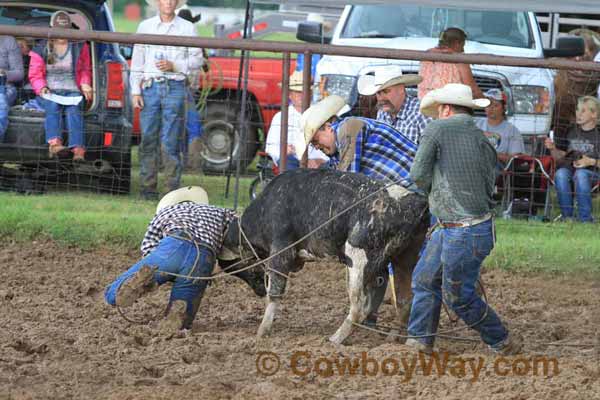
{"x":60,"y":341}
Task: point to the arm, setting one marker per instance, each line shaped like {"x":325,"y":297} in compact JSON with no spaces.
{"x":15,"y":62}
{"x":272,"y":145}
{"x":137,"y":67}
{"x":37,"y":72}
{"x":422,"y":169}
{"x":466,"y":75}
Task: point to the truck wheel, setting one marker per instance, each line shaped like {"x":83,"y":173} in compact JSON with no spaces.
{"x":220,"y":131}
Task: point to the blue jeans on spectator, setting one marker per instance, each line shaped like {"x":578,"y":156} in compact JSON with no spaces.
{"x":584,"y":181}
{"x":8,"y":95}
{"x":175,"y":255}
{"x":74,"y":117}
{"x":450,"y":268}
{"x":162,"y":119}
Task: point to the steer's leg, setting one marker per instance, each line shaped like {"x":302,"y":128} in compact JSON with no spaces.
{"x":359,"y":301}
{"x":278,"y":269}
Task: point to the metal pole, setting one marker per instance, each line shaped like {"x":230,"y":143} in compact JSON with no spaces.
{"x":242,"y":116}
{"x":306,"y":95}
{"x":283,"y":142}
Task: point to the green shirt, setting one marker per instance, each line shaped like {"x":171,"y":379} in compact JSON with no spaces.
{"x":455,"y":166}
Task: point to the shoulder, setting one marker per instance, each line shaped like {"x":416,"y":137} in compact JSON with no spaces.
{"x":148,"y":25}
{"x":8,"y":42}
{"x":184,"y":25}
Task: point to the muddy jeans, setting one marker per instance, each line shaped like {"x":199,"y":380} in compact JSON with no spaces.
{"x":450,"y":265}
{"x":177,"y":256}
{"x":161,"y":119}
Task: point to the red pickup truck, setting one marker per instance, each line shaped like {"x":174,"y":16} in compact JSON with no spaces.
{"x":220,"y":113}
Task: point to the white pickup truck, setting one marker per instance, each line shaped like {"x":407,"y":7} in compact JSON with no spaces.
{"x":530,"y":91}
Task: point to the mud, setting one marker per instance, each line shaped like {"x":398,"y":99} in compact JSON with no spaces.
{"x":60,"y":341}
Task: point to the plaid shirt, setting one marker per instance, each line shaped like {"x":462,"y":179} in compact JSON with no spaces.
{"x":205,"y":224}
{"x":409,"y":119}
{"x":381,"y":152}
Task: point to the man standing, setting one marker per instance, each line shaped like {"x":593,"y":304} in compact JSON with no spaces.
{"x":11,"y":72}
{"x":295,"y":135}
{"x":394,"y":106}
{"x":455,"y":166}
{"x":158,"y":80}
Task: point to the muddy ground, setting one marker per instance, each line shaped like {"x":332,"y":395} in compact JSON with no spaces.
{"x":60,"y":341}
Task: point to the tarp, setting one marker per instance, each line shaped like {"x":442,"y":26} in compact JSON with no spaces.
{"x":556,"y":6}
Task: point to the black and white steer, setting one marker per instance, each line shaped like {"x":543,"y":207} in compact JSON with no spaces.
{"x":390,"y":225}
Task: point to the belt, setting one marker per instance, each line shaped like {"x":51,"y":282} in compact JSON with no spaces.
{"x":146,"y":83}
{"x":466,"y":222}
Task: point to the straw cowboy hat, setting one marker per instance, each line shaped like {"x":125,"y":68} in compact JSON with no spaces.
{"x":296,"y":80}
{"x":189,"y":193}
{"x":316,"y":115}
{"x":154,"y":3}
{"x":453,"y":93}
{"x":383,"y":77}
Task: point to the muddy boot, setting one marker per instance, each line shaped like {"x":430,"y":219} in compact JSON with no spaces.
{"x":512,"y":345}
{"x":174,"y":319}
{"x":194,"y":156}
{"x":133,"y":288}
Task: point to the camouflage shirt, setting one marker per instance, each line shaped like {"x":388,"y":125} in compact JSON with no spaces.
{"x":455,"y":165}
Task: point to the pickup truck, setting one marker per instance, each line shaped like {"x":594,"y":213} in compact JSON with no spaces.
{"x":530,"y":91}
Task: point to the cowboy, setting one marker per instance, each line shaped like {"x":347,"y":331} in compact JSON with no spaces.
{"x":158,"y":85}
{"x":182,"y":242}
{"x":455,"y":166}
{"x":315,"y":157}
{"x":395,"y":107}
{"x":357,"y":144}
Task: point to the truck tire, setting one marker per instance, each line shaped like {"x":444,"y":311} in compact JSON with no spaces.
{"x":220,"y":129}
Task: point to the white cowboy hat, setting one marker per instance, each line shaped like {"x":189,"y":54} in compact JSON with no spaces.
{"x":154,"y":3}
{"x":382,"y":77}
{"x":296,"y":80}
{"x":453,"y":93}
{"x":189,"y":193}
{"x":316,"y":115}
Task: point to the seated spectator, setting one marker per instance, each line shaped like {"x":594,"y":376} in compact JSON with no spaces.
{"x":577,"y":158}
{"x":11,"y":72}
{"x":295,"y":138}
{"x":437,"y":74}
{"x":63,"y":68}
{"x":505,"y":137}
{"x":25,"y":47}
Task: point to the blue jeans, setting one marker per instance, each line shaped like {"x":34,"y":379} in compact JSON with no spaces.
{"x":161,"y":119}
{"x":450,"y":267}
{"x":176,"y":256}
{"x":584,"y":181}
{"x":54,"y":119}
{"x":8,"y":95}
{"x":193,"y":124}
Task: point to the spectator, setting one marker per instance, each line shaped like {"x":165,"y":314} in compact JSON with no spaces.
{"x":60,"y":67}
{"x":158,"y":86}
{"x":394,"y":106}
{"x":25,"y":45}
{"x":11,"y":72}
{"x":295,"y":136}
{"x":455,"y":166}
{"x":577,"y":158}
{"x":437,"y":74}
{"x":504,"y":136}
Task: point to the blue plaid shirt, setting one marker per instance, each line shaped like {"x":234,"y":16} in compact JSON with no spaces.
{"x":409,"y":119}
{"x":381,"y":152}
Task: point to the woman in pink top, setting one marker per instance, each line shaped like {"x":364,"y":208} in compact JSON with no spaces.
{"x":437,"y":74}
{"x":62,"y":68}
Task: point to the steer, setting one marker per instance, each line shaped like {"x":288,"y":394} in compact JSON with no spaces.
{"x":388,"y":226}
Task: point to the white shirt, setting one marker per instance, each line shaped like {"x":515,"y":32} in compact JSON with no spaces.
{"x":143,"y":60}
{"x":295,"y":137}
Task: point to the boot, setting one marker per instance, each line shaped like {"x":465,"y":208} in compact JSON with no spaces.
{"x":133,"y":288}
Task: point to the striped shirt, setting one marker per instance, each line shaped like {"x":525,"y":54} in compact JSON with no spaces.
{"x":205,"y":224}
{"x":374,"y":149}
{"x":409,"y":119}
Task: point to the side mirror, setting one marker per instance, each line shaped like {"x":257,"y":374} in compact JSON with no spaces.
{"x":126,"y":51}
{"x":569,"y":46}
{"x":311,"y":32}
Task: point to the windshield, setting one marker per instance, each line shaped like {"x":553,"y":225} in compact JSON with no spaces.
{"x":390,"y":21}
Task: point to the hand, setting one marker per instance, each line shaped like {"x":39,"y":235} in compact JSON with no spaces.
{"x":87,"y":91}
{"x":291,"y":150}
{"x":165,"y":66}
{"x":549,"y":143}
{"x":314,"y":163}
{"x":45,"y":91}
{"x":584,"y":162}
{"x":138,"y":101}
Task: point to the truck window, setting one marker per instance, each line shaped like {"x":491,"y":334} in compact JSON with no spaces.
{"x":389,"y":21}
